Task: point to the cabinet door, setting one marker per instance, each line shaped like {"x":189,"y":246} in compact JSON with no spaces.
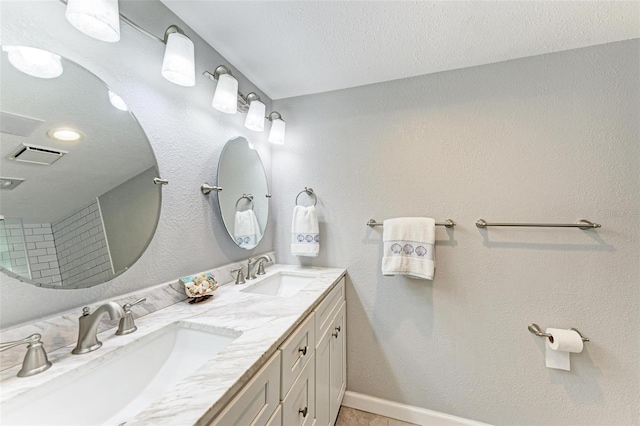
{"x":255,"y":403}
{"x":323,"y":398}
{"x":298,"y":407}
{"x":337,"y":362}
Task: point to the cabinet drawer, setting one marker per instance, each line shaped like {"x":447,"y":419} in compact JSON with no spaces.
{"x":298,"y":408}
{"x":296,"y":351}
{"x":257,"y":401}
{"x":324,"y":311}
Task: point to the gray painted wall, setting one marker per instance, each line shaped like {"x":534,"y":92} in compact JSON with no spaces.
{"x":553,"y":138}
{"x":186,"y":133}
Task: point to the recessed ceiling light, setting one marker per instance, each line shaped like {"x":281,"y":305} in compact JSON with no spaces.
{"x":35,"y":62}
{"x":117,"y":101}
{"x":65,"y":135}
{"x":10,"y":183}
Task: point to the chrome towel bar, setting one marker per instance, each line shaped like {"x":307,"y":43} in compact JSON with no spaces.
{"x":448,"y":223}
{"x":582,"y":224}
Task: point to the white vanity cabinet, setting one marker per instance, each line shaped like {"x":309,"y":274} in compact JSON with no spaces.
{"x":304,"y":382}
{"x":331,"y":365}
{"x":258,"y":402}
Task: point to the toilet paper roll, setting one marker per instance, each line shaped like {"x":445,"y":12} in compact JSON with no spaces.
{"x":564,"y":340}
{"x":559,"y":346}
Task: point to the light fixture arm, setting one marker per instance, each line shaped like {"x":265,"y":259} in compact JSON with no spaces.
{"x":274,"y":115}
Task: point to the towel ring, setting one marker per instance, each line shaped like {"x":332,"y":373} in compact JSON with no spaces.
{"x":248,"y":197}
{"x":309,"y":192}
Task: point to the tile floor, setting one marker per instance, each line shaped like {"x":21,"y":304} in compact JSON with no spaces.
{"x":352,"y":417}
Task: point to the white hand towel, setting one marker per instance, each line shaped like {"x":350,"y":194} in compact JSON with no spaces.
{"x":409,"y":247}
{"x":305,"y":232}
{"x":246,"y":230}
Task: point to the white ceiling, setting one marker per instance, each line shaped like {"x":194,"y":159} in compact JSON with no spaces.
{"x":292,"y":48}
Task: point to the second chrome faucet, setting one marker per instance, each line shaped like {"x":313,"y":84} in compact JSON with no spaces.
{"x":88,"y":324}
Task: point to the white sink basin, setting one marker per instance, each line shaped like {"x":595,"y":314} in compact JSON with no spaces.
{"x":282,"y":284}
{"x":114,"y":389}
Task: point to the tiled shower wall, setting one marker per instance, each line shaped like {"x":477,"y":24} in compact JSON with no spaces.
{"x":12,"y":249}
{"x":41,"y":249}
{"x":82,"y":247}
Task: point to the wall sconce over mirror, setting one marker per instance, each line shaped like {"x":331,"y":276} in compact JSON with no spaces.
{"x":225,"y":98}
{"x":276,"y":135}
{"x":100,"y":19}
{"x":256,"y":114}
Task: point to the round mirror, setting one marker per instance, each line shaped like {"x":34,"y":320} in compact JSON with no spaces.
{"x":79,"y":204}
{"x":244,"y":199}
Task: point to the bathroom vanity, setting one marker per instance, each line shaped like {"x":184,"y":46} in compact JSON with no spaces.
{"x":268,"y":352}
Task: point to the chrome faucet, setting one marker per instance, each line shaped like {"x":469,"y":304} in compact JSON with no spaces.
{"x":35,"y":361}
{"x":251,"y":274}
{"x":88,"y":332}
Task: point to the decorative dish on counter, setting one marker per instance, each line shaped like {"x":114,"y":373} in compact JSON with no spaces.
{"x":199,"y":287}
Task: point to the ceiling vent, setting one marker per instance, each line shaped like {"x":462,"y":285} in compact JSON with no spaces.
{"x":37,"y":154}
{"x":17,"y":125}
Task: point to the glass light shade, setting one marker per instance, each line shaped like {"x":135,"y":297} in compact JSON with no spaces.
{"x":35,"y":62}
{"x":276,"y":135}
{"x":255,"y":116}
{"x":225,"y":99}
{"x":117,"y":101}
{"x":178,"y":65}
{"x":99,"y":19}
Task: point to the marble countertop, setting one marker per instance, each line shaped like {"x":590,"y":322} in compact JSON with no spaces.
{"x":264,"y":321}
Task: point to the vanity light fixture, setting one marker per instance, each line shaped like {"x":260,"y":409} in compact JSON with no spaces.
{"x":34,"y":62}
{"x":256,"y":114}
{"x":178,"y":65}
{"x":117,"y":101}
{"x":225,"y":98}
{"x":65,"y":134}
{"x":276,"y":135}
{"x":99,"y":19}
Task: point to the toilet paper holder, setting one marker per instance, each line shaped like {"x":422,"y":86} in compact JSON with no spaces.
{"x":535,"y":329}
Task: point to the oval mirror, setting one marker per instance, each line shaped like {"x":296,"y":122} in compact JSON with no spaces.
{"x":79,"y":204}
{"x":244,"y":199}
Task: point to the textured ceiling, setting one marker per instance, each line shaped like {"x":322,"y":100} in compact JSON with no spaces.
{"x":291,"y":48}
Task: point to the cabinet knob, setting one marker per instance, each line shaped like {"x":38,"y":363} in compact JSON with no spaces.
{"x":335,"y":334}
{"x":303,"y":350}
{"x":338,"y":328}
{"x":304,"y":411}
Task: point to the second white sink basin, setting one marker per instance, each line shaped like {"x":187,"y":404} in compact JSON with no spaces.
{"x":113,"y":390}
{"x":282,"y":284}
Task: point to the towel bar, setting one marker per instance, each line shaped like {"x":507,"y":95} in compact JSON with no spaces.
{"x":448,"y":223}
{"x":582,"y":224}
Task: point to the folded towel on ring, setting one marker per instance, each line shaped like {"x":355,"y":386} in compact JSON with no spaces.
{"x":305,"y":232}
{"x":246,"y":230}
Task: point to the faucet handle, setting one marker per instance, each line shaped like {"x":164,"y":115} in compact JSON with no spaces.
{"x":127,"y":324}
{"x":127,"y":306}
{"x":35,"y":361}
{"x":240,"y":276}
{"x":260,"y":268}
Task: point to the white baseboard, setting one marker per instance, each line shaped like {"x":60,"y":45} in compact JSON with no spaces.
{"x":406,"y":413}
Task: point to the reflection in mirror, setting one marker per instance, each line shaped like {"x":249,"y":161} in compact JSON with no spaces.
{"x":244,"y":200}
{"x":78,"y":202}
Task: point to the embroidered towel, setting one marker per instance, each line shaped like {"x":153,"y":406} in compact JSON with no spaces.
{"x":246,"y":230}
{"x":305,"y":232}
{"x":409,"y":247}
